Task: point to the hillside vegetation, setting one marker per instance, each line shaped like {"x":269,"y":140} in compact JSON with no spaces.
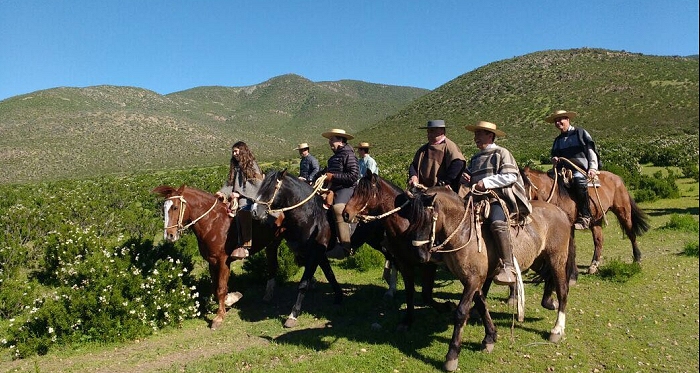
{"x":623,"y":99}
{"x":77,"y":132}
{"x":629,"y":102}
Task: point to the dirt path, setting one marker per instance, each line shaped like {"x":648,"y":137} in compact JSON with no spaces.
{"x":174,"y":348}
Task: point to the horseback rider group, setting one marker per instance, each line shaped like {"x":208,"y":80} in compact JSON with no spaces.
{"x":492,"y":175}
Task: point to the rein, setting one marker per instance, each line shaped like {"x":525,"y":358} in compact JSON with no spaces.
{"x":470,"y":203}
{"x":318,"y":184}
{"x":181,"y":215}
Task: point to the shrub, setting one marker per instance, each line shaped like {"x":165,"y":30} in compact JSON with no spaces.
{"x":619,"y":271}
{"x":685,"y":223}
{"x":657,"y":186}
{"x":691,"y":249}
{"x":104,"y":294}
{"x":256,"y":265}
{"x":365,"y":258}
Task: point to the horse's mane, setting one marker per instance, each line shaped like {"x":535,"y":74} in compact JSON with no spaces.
{"x":365,"y":187}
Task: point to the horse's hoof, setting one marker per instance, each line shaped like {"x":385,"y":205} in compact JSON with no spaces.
{"x":512,"y":302}
{"x":593,"y":268}
{"x":487,"y":347}
{"x":291,"y":323}
{"x":232,"y":298}
{"x":555,"y":337}
{"x":216,"y":324}
{"x":451,"y":365}
{"x":550,"y":304}
{"x":572,"y":282}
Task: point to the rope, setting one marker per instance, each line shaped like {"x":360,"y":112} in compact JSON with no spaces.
{"x":369,"y":218}
{"x":588,"y":179}
{"x":318,"y":185}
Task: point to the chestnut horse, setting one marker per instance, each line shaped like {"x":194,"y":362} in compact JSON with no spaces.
{"x":377,"y":199}
{"x":217,"y":237}
{"x":610,"y":195}
{"x":441,"y":217}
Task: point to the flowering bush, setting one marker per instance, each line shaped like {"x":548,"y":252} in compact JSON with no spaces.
{"x":104,"y":294}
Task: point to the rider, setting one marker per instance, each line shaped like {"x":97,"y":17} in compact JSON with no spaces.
{"x":493,"y":168}
{"x":439,"y":161}
{"x":242,"y":184}
{"x":308,"y":164}
{"x":341,"y":175}
{"x":577,"y":146}
{"x":366,"y":162}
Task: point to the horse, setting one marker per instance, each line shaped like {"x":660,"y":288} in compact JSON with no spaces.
{"x":307,"y":230}
{"x":610,"y":195}
{"x":542,"y":245}
{"x":217,"y":237}
{"x":376,"y":199}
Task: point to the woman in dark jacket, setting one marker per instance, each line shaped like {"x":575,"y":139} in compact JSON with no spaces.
{"x":341,"y":175}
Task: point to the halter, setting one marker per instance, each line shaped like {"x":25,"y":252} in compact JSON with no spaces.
{"x":181,"y":215}
{"x":317,"y":186}
{"x":434,"y":218}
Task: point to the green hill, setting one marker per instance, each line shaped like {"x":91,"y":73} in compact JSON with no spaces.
{"x":76,"y":132}
{"x":623,"y":99}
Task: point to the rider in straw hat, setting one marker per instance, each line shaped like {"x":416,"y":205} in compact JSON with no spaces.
{"x":341,"y":175}
{"x":308,"y":165}
{"x":493,"y":168}
{"x":366,"y":161}
{"x":575,"y":145}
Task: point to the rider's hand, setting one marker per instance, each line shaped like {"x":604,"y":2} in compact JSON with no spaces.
{"x":465,"y":178}
{"x":235,"y":195}
{"x":329,"y":177}
{"x":413,"y":180}
{"x":480,"y":186}
{"x":592,"y":174}
{"x":555,"y":160}
{"x":220,"y":195}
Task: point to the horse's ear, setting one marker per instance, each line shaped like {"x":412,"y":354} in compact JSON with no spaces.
{"x":428,"y":199}
{"x":163,"y":190}
{"x":181,"y":189}
{"x":282,"y":174}
{"x":368,"y":173}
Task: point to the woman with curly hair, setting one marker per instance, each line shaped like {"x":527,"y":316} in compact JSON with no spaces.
{"x":242,"y":184}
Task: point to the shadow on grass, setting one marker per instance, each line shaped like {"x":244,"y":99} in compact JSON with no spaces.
{"x":668,"y":211}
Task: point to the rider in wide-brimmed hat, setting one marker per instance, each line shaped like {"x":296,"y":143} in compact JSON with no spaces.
{"x":341,"y":175}
{"x":366,"y":162}
{"x":493,"y":168}
{"x":437,"y":162}
{"x":574,"y":149}
{"x":308,"y":164}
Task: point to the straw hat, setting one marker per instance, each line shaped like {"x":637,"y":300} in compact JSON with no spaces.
{"x":301,"y":146}
{"x":437,"y":123}
{"x":337,"y":132}
{"x":363,"y":145}
{"x":486,"y":126}
{"x":559,"y":114}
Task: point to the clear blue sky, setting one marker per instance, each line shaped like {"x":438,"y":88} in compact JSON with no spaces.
{"x":172,"y":45}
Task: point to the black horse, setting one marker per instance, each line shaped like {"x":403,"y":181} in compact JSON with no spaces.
{"x":308,"y":231}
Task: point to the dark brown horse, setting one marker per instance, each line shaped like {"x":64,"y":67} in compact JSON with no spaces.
{"x":217,"y":236}
{"x":610,"y":195}
{"x":373,"y":198}
{"x":444,"y":223}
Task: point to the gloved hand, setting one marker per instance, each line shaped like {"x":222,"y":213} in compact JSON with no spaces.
{"x":329,"y":177}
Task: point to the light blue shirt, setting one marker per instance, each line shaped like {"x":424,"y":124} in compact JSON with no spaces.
{"x":368,"y":163}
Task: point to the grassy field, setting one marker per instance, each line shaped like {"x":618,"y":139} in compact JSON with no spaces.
{"x":647,"y":324}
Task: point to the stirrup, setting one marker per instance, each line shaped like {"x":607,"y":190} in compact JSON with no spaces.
{"x":505,"y":276}
{"x":582,"y":223}
{"x":240,"y":252}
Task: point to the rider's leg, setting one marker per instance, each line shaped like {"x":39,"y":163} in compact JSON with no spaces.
{"x":244,"y":219}
{"x":583,"y":204}
{"x":344,"y":248}
{"x":501,"y":236}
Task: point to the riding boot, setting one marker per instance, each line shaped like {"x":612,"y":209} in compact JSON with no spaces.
{"x":245,"y":234}
{"x":501,"y":235}
{"x":583,"y":204}
{"x":343,"y":249}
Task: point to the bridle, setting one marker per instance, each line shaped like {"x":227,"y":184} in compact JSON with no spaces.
{"x":318,"y":185}
{"x":433,"y":229}
{"x":364,"y":218}
{"x":181,"y":214}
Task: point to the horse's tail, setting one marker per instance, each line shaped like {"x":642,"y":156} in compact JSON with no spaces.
{"x":640,"y":220}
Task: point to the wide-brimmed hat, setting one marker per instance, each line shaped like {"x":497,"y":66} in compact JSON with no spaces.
{"x":559,"y":114}
{"x":301,"y":146}
{"x":486,"y":126}
{"x":363,"y":145}
{"x":337,"y":132}
{"x":436,"y":123}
